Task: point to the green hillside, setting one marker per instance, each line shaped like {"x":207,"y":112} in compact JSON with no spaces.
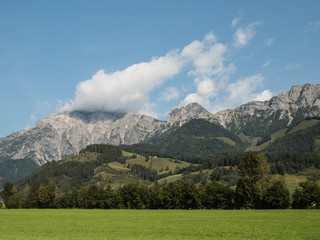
{"x":13,"y":170}
{"x":199,"y":151}
{"x":195,"y":141}
{"x":103,"y":165}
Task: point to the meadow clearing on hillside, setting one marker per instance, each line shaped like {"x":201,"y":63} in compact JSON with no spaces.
{"x":158,"y":224}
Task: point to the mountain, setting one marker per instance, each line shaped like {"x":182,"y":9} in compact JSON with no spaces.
{"x":194,"y":141}
{"x":257,"y":118}
{"x":103,"y":165}
{"x":255,"y":123}
{"x":65,"y":134}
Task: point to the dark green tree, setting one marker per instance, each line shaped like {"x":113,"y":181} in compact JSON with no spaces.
{"x":15,"y":201}
{"x":7,"y":192}
{"x":67,"y":200}
{"x":83,"y":198}
{"x":188,"y":195}
{"x":134,"y":196}
{"x":10,"y":198}
{"x":156,"y":198}
{"x":46,"y":195}
{"x":217,"y":196}
{"x":32,"y":197}
{"x":313,"y":174}
{"x":307,"y":196}
{"x":253,"y":181}
{"x":277,"y":196}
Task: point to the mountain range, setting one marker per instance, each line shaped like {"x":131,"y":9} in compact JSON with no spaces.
{"x":253,"y":126}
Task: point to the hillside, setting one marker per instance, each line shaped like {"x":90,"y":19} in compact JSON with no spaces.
{"x":103,"y":165}
{"x":257,"y":126}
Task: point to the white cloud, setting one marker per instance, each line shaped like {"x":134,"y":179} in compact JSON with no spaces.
{"x":266,"y":64}
{"x":169,"y":94}
{"x":242,"y":90}
{"x":313,"y":26}
{"x":207,"y":62}
{"x":33,"y":117}
{"x":129,"y":89}
{"x":243,"y":35}
{"x":264,"y":96}
{"x":237,"y":19}
{"x":148,"y":109}
{"x":210,"y":73}
{"x":124,"y":90}
{"x":268,"y":41}
{"x":292,"y":66}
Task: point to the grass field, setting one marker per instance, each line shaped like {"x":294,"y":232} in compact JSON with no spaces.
{"x":159,"y":224}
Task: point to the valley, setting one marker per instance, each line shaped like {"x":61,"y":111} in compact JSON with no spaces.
{"x":77,"y":151}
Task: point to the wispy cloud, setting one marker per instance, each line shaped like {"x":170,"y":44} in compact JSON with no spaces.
{"x":206,"y":61}
{"x":210,"y":71}
{"x":237,"y":19}
{"x":266,"y":64}
{"x":313,"y":26}
{"x":124,"y":90}
{"x":292,"y":66}
{"x":169,"y":94}
{"x":243,"y":35}
{"x":243,"y":91}
{"x":264,"y":96}
{"x":268,"y":41}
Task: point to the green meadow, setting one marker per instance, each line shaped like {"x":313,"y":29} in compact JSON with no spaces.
{"x":159,"y":224}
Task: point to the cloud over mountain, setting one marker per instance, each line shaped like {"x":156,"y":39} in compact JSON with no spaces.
{"x":124,"y":90}
{"x":207,"y":63}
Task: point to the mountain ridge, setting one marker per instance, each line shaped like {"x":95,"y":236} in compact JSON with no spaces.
{"x":65,"y":134}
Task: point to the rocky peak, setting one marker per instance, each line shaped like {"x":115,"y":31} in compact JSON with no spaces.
{"x":300,"y":95}
{"x":184,"y":114}
{"x":66,"y":133}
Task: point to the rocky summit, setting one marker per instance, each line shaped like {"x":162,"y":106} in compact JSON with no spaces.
{"x":65,"y":134}
{"x":302,"y":101}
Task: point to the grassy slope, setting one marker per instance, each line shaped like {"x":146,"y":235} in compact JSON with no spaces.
{"x":158,"y":224}
{"x":158,"y":163}
{"x":117,"y":174}
{"x":291,"y":181}
{"x":281,"y":133}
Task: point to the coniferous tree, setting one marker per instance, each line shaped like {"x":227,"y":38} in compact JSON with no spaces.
{"x":7,"y":192}
{"x":217,"y":196}
{"x":277,"y":196}
{"x":307,"y":196}
{"x":46,"y":195}
{"x":253,"y":181}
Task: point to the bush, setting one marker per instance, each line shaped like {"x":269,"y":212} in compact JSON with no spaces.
{"x":307,"y":196}
{"x":277,"y":196}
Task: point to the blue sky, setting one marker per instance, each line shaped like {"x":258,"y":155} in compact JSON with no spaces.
{"x":150,"y":56}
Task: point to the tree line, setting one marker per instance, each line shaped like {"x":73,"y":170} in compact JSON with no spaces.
{"x":254,"y":190}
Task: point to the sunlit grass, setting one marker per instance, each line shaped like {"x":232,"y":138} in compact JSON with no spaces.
{"x":159,"y":224}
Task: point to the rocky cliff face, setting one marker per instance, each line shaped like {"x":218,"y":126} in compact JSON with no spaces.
{"x":300,"y":101}
{"x":65,"y":134}
{"x":179,"y":116}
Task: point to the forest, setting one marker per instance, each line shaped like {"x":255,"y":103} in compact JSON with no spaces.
{"x":255,"y":189}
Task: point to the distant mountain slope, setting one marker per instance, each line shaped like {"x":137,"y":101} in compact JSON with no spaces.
{"x":257,"y":119}
{"x":101,"y":165}
{"x":303,"y":140}
{"x":65,"y":134}
{"x":199,"y":138}
{"x":14,"y":170}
